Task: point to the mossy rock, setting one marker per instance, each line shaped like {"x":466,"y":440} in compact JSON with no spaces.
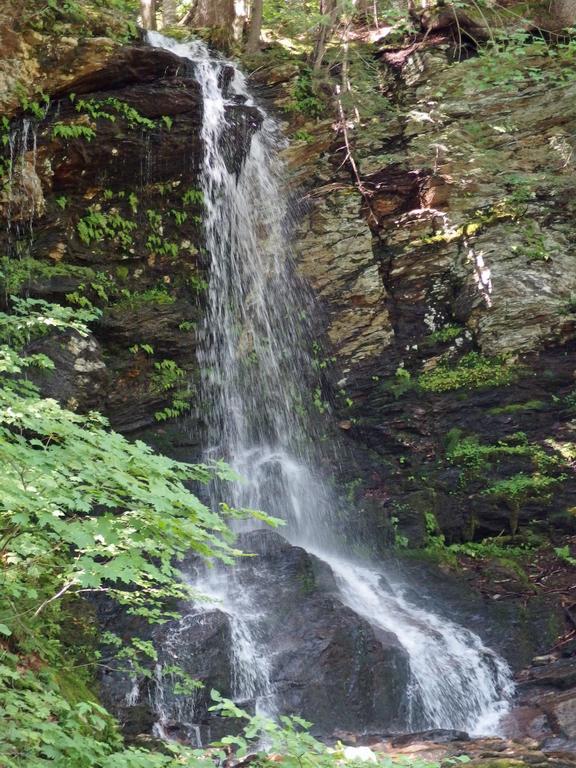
{"x":498,"y":762}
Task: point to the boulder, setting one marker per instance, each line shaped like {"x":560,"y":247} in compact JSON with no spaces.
{"x":322,"y":661}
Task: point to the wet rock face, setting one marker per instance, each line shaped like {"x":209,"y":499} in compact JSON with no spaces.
{"x":462,"y":244}
{"x":546,"y":708}
{"x":327,"y":664}
{"x":79,"y":378}
{"x":103,"y":207}
{"x":517,"y":630}
{"x":336,"y":256}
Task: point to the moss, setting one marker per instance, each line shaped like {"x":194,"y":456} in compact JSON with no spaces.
{"x":504,"y":209}
{"x":136,"y":299}
{"x":520,"y":487}
{"x":73,"y":687}
{"x":529,"y":405}
{"x":500,"y":762}
{"x":437,"y":555}
{"x":17,"y":274}
{"x":307,"y":582}
{"x":514,"y":567}
{"x":473,"y":371}
{"x":468,"y":452}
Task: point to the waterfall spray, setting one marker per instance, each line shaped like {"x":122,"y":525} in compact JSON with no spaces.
{"x":255,"y":372}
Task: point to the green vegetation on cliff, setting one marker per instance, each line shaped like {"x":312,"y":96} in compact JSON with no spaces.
{"x":83,"y":512}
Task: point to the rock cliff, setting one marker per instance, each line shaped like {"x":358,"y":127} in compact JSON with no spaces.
{"x":439,"y":240}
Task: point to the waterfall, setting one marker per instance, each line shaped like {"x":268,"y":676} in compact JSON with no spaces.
{"x":22,"y":192}
{"x":256,"y":380}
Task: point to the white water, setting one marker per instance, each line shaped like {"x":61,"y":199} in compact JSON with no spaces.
{"x":457,"y":681}
{"x":250,"y":663}
{"x":256,"y":382}
{"x":21,"y":186}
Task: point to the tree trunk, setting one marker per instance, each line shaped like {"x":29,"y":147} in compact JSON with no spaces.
{"x":367,"y":10}
{"x":226,"y":17}
{"x":331,"y":10}
{"x":214,"y":13}
{"x":253,"y":42}
{"x":148,"y":13}
{"x":169,"y":17}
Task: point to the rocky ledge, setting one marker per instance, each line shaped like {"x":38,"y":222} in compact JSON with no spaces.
{"x":449,"y":747}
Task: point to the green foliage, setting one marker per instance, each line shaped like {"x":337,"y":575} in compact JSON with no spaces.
{"x":43,"y":725}
{"x":155,"y":242}
{"x":179,"y":216}
{"x":476,"y":456}
{"x":446,"y":334}
{"x":291,"y":18}
{"x":72,"y":131}
{"x":505,"y":208}
{"x":319,"y":362}
{"x":193,"y":197}
{"x":148,"y":349}
{"x":364,"y":95}
{"x":473,"y":371}
{"x":196,"y":283}
{"x":479,"y":460}
{"x":5,"y":162}
{"x":435,"y":539}
{"x":179,"y":404}
{"x":321,"y":405}
{"x":95,"y":108}
{"x":498,"y":547}
{"x":59,"y":17}
{"x":137,"y":299}
{"x":59,"y":465}
{"x":518,"y":489}
{"x":290,"y":738}
{"x":36,"y":108}
{"x":518,"y":60}
{"x":82,"y":510}
{"x":565,"y":555}
{"x":401,"y":383}
{"x":17,"y":274}
{"x":400,"y":541}
{"x":98,"y":225}
{"x":303,"y":97}
{"x":303,"y":135}
{"x":570,"y":400}
{"x":167,"y":374}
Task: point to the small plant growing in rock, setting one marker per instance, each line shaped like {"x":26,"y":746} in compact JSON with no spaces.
{"x":517,"y":490}
{"x":447,"y":334}
{"x":72,"y":131}
{"x":565,"y":555}
{"x":473,"y":371}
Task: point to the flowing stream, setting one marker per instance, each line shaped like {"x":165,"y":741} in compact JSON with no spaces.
{"x":256,"y":382}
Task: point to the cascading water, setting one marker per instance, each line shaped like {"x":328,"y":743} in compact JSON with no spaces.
{"x":23,"y":190}
{"x":456,"y":681}
{"x":255,"y":373}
